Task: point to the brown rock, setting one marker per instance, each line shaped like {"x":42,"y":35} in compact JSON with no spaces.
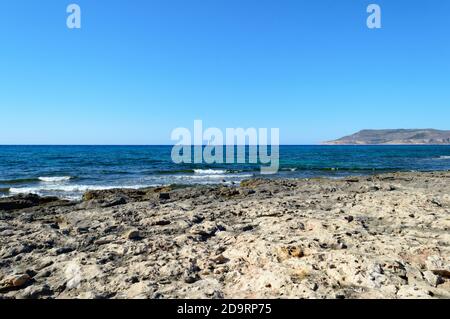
{"x":219,"y":259}
{"x":15,"y":282}
{"x":290,"y":252}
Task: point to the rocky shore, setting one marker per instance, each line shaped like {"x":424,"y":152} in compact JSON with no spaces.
{"x":384,"y":236}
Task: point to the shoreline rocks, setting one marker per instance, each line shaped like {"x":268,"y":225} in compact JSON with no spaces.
{"x":381,"y":236}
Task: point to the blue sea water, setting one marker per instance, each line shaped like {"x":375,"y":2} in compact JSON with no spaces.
{"x":68,"y":171}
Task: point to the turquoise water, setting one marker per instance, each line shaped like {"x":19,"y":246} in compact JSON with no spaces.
{"x":68,"y":171}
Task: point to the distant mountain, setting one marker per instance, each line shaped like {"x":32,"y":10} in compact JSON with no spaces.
{"x":394,"y":137}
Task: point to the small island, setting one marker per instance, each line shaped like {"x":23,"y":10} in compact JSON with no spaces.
{"x":395,"y":137}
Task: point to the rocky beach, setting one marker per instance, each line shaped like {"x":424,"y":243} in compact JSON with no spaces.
{"x":381,"y":236}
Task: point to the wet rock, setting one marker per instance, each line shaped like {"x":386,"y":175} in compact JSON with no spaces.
{"x":24,"y":201}
{"x":114,"y":202}
{"x":252,"y":183}
{"x":102,"y":203}
{"x":111,"y":195}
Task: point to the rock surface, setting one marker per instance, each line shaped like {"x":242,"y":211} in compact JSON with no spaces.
{"x":27,"y":200}
{"x":384,"y":236}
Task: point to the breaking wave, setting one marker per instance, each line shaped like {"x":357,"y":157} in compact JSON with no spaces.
{"x":70,"y":191}
{"x":213,"y":176}
{"x":54,"y":179}
{"x":210,"y":171}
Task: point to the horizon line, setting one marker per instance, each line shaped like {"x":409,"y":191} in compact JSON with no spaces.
{"x":223,"y":145}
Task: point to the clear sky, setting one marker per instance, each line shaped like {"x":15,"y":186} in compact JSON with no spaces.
{"x":137,"y":69}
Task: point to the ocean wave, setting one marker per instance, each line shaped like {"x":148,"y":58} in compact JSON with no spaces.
{"x":213,"y":176}
{"x":444,"y":157}
{"x":54,"y":179}
{"x":288,"y":169}
{"x":4,"y":190}
{"x":210,"y":171}
{"x":343,"y":168}
{"x":46,"y":179}
{"x":170,"y":172}
{"x":19,"y":181}
{"x":71,"y":188}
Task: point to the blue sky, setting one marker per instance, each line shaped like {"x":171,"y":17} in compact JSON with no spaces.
{"x":140,"y":68}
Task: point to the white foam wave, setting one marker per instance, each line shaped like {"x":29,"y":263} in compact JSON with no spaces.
{"x":444,"y":157}
{"x":209,"y":171}
{"x":70,"y":188}
{"x":54,"y":179}
{"x":212,"y":176}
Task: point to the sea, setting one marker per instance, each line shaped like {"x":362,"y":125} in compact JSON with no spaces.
{"x":69,"y":171}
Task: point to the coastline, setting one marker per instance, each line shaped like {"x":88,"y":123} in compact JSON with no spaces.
{"x":378,"y":236}
{"x":69,"y":171}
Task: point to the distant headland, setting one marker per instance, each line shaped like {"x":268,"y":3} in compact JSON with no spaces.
{"x":395,"y":137}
